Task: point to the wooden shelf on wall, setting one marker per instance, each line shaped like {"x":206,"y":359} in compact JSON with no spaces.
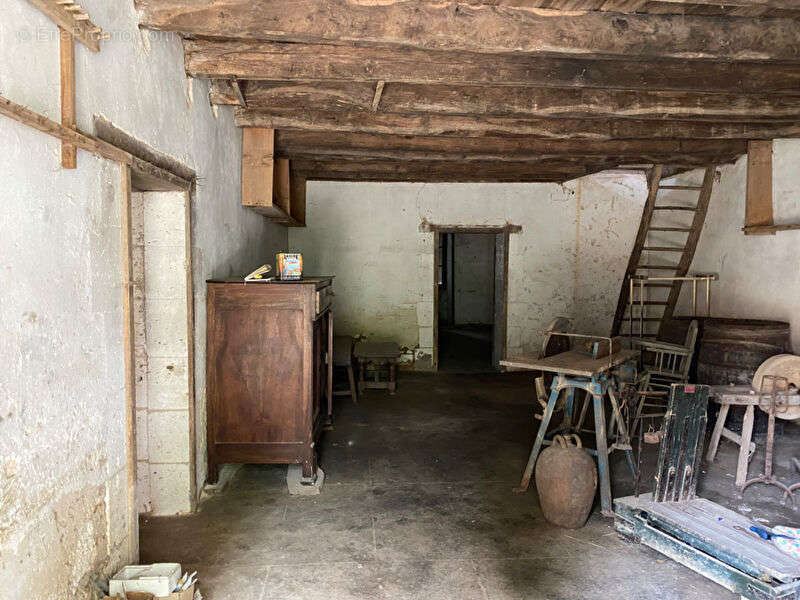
{"x":268,"y":186}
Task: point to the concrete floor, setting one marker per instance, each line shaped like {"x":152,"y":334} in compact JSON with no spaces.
{"x":417,"y":504}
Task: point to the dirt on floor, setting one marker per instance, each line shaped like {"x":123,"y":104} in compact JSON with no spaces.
{"x":418,"y":504}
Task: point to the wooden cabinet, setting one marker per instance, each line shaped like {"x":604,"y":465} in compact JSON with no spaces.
{"x":268,"y":380}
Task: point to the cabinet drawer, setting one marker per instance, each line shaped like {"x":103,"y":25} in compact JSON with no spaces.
{"x":324,"y":298}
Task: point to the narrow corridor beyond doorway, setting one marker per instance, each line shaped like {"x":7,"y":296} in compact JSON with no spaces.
{"x":466,"y":301}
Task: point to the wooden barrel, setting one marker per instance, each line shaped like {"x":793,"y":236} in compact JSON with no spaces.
{"x":730,"y":350}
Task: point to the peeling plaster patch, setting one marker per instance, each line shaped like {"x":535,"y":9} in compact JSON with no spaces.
{"x":190,"y":91}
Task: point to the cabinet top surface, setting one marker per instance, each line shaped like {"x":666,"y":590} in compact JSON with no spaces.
{"x":305,"y":280}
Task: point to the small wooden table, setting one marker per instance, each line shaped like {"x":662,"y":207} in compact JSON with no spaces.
{"x":576,"y":370}
{"x":738,"y":395}
{"x":377,"y":353}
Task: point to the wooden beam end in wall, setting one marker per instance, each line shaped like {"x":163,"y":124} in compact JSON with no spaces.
{"x":758,"y":214}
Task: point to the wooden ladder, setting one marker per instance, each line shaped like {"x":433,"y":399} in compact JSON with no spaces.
{"x":651,"y":223}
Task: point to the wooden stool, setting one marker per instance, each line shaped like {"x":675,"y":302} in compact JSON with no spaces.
{"x":377,"y":353}
{"x":738,"y":395}
{"x":343,"y":357}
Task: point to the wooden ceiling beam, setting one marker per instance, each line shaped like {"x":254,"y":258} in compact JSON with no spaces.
{"x":478,"y":126}
{"x":344,"y":146}
{"x":280,"y":61}
{"x":641,"y":5}
{"x":420,"y":171}
{"x":527,"y":102}
{"x":494,"y":29}
{"x":697,"y":160}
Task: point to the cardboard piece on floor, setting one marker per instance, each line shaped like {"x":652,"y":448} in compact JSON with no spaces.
{"x":182,"y":595}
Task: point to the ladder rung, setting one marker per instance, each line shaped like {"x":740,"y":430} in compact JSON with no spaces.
{"x":659,"y":267}
{"x":681,"y":229}
{"x":670,"y":207}
{"x":680,"y":187}
{"x":663,"y":248}
{"x":653,"y":284}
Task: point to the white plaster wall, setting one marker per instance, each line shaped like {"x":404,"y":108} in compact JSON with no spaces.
{"x":63,"y":497}
{"x":759,"y":275}
{"x":568,"y":260}
{"x":609,"y":209}
{"x":473,"y":273}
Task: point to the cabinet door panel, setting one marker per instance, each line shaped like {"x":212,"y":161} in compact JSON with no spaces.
{"x":259,"y":367}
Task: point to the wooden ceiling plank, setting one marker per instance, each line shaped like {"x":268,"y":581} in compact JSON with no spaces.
{"x":493,"y":29}
{"x":472,"y":126}
{"x":404,"y":98}
{"x":279,"y":61}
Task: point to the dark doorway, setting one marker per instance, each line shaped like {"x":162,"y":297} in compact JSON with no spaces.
{"x":466,"y":308}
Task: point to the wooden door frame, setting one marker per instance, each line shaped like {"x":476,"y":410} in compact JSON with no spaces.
{"x":437,"y":230}
{"x":133,"y":179}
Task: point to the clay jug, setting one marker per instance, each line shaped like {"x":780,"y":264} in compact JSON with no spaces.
{"x":566,"y":481}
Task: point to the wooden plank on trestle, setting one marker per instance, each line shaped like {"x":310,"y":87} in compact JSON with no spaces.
{"x":758,"y":205}
{"x":281,"y":61}
{"x":66,"y":48}
{"x":482,"y":28}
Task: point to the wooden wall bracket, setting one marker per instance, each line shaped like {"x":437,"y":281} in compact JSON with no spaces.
{"x":268,"y":185}
{"x":758,"y":217}
{"x":73,"y":24}
{"x":70,"y":17}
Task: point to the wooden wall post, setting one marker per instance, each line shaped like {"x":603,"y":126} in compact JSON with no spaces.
{"x":758,"y":204}
{"x":69,"y":152}
{"x":129,"y":351}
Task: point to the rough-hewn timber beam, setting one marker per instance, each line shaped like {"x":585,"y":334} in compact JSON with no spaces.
{"x":528,"y":102}
{"x":290,"y":143}
{"x":457,"y":26}
{"x":685,"y":160}
{"x":280,"y":61}
{"x":472,"y":126}
{"x":453,"y":171}
{"x":637,"y":5}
